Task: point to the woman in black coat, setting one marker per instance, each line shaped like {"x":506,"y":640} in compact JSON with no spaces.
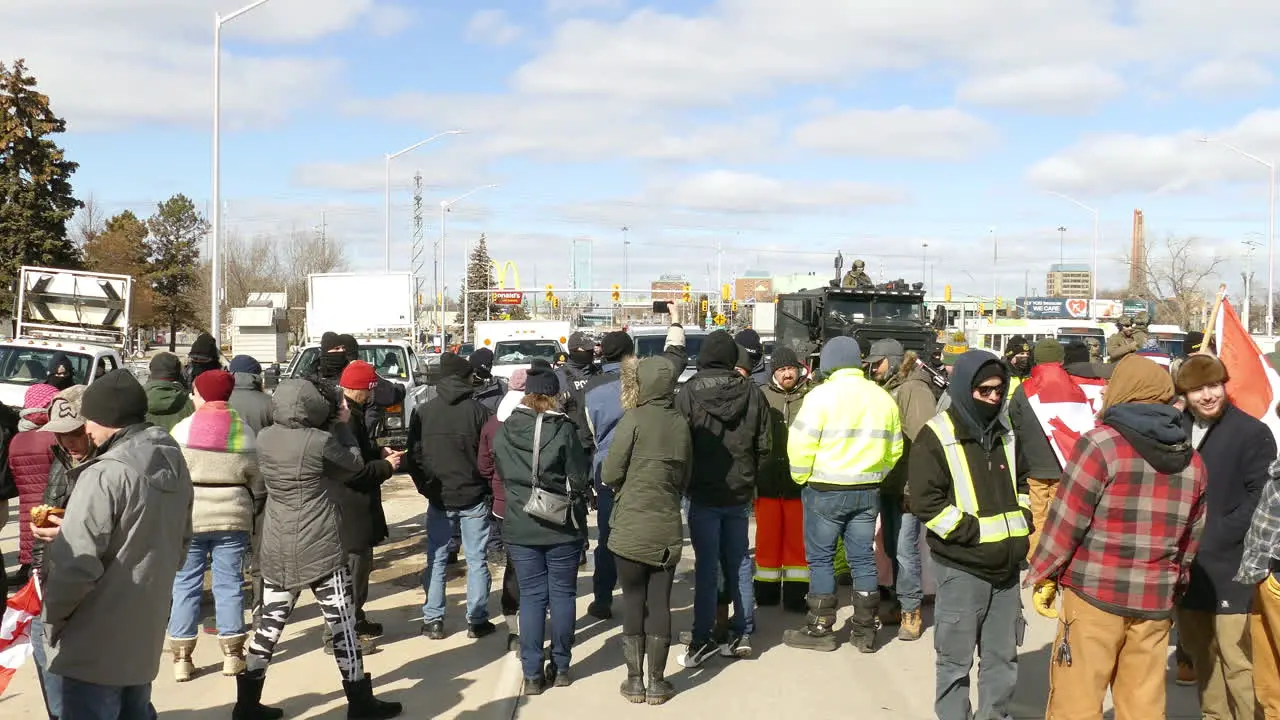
{"x":545,"y":553}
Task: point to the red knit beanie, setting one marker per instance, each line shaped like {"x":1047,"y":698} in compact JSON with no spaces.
{"x":359,"y":375}
{"x":215,"y":385}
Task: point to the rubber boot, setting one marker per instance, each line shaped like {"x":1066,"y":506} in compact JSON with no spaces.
{"x":659,"y":690}
{"x":768,"y":594}
{"x":362,"y":705}
{"x":233,"y":654}
{"x":249,"y":698}
{"x":862,"y":633}
{"x":793,"y":596}
{"x":183,"y":667}
{"x":818,"y":633}
{"x":633,"y":655}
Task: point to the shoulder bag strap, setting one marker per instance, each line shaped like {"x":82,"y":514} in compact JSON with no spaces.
{"x":537,"y":449}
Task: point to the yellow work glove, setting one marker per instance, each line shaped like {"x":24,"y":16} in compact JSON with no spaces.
{"x":1043,"y":598}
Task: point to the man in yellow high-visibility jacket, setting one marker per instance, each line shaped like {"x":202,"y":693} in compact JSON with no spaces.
{"x":962,"y":484}
{"x":844,"y":441}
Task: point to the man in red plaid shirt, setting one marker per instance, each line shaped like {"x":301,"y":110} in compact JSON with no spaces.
{"x":1120,"y":539}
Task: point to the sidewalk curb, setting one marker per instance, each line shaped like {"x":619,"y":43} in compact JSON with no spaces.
{"x":506,"y":698}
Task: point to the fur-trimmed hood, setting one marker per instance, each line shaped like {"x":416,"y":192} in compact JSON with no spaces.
{"x":648,"y":381}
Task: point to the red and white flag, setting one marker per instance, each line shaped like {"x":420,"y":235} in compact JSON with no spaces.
{"x":1252,"y":384}
{"x":1066,"y":405}
{"x":15,"y":630}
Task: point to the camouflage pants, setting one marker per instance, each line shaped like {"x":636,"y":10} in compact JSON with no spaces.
{"x":336,"y":597}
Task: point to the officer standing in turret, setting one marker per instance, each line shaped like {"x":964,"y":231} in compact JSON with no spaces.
{"x":857,"y":277}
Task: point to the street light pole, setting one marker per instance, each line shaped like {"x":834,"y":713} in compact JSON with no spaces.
{"x":924,"y":261}
{"x":626,"y":245}
{"x":445,"y":205}
{"x":1093,"y":282}
{"x":995,"y":271}
{"x":1271,"y":222}
{"x":387,"y":206}
{"x":1062,"y":235}
{"x":215,"y":226}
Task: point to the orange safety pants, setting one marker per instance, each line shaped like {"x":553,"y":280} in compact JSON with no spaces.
{"x":780,"y":541}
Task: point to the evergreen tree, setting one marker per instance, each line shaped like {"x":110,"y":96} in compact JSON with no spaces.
{"x":36,"y":200}
{"x":176,"y":230}
{"x":480,"y":275}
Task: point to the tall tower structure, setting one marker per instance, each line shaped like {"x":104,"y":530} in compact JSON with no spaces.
{"x":1138,"y":257}
{"x":580,"y":265}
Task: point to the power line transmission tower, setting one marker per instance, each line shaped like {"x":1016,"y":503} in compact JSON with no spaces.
{"x":416,"y":250}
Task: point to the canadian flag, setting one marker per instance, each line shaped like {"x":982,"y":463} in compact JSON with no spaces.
{"x":1252,"y":384}
{"x":1066,"y":405}
{"x":15,"y":630}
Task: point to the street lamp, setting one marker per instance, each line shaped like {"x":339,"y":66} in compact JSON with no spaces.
{"x":924,"y":261}
{"x":995,"y":265}
{"x":1062,"y":235}
{"x":1248,"y":279}
{"x":1271,"y":221}
{"x":215,"y":279}
{"x":445,"y":205}
{"x":625,"y":245}
{"x":1094,"y":266}
{"x":387,"y":210}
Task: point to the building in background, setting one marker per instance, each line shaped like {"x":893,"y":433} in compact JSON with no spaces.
{"x":580,"y":266}
{"x":1069,"y":280}
{"x":669,"y":287}
{"x":754,"y":286}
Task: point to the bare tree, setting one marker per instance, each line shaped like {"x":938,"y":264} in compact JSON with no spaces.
{"x":1176,"y":272}
{"x":89,"y":223}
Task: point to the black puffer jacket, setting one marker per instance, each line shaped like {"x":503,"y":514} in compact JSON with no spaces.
{"x":729,"y":418}
{"x":490,"y":392}
{"x":562,"y":465}
{"x":361,"y":521}
{"x":444,"y":445}
{"x":573,"y":379}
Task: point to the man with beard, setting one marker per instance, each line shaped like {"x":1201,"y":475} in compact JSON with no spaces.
{"x":782,"y":573}
{"x":1213,"y":616}
{"x":899,"y":372}
{"x":1123,"y":342}
{"x":489,"y":390}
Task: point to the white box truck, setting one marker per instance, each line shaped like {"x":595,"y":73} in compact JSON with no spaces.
{"x":82,"y":315}
{"x":515,"y":343}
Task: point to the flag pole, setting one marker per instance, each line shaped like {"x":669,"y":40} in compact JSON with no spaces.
{"x":1213,"y":319}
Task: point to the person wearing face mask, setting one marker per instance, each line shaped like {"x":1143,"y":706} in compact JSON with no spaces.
{"x":962,"y":485}
{"x":61,"y":373}
{"x":334,"y":356}
{"x":1213,"y":616}
{"x":489,"y":390}
{"x":203,"y":356}
{"x":72,"y":447}
{"x":1018,"y":354}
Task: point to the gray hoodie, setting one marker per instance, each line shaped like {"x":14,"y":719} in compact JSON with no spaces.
{"x":253,"y":405}
{"x":110,"y":571}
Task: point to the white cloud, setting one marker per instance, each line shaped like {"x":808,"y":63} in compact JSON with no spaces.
{"x":1227,"y":75}
{"x":943,"y":134}
{"x":1050,"y":89}
{"x":1117,"y":163}
{"x":492,"y":27}
{"x":109,"y":65}
{"x":725,"y":191}
{"x":448,"y":169}
{"x":573,"y":129}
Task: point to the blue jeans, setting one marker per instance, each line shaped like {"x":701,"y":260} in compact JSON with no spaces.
{"x":605,"y":577}
{"x":833,"y":514}
{"x":720,"y":544}
{"x":88,"y":701}
{"x":474,"y":525}
{"x":909,"y":581}
{"x":50,"y":683}
{"x":548,"y":576}
{"x":227,"y":549}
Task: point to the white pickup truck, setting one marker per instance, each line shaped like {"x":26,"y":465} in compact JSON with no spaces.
{"x":84,"y":316}
{"x":515,"y":343}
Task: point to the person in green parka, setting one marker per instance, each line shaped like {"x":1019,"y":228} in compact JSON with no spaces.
{"x":168,"y":400}
{"x":648,"y":468}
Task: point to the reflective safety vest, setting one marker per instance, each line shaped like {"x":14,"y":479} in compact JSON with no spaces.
{"x":993,"y":527}
{"x":848,"y":432}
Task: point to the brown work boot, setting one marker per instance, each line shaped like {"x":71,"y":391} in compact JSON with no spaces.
{"x":1186,"y":674}
{"x":912,"y":626}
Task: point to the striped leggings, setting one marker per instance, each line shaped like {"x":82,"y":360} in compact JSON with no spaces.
{"x":336,"y":597}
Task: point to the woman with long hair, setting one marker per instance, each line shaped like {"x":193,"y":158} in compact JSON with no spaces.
{"x":545,"y":473}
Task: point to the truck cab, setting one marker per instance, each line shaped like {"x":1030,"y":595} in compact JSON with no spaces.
{"x":808,"y":318}
{"x":652,"y":340}
{"x":516,"y":343}
{"x":395,"y":362}
{"x":82,"y":315}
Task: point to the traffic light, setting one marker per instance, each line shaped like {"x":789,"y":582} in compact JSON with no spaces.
{"x":551,"y":293}
{"x":946,"y":293}
{"x":982,"y":308}
{"x":686,"y":297}
{"x":617,"y":294}
{"x":734,"y":306}
{"x":999,"y":303}
{"x":555,"y":303}
{"x":704,"y":307}
{"x":725,"y":292}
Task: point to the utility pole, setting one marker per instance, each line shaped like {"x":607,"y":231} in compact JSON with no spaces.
{"x":1062,"y":234}
{"x":995,"y":268}
{"x":1026,"y":291}
{"x":321,"y":233}
{"x":416,"y":250}
{"x":625,"y":245}
{"x":719,"y":256}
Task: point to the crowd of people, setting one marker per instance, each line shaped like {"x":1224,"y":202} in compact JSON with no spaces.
{"x":1163,"y":512}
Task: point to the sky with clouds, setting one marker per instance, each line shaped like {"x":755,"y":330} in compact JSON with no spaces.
{"x":780,"y":131}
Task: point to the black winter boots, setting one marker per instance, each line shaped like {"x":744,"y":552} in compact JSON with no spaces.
{"x":633,"y":653}
{"x":362,"y":705}
{"x":659,"y":690}
{"x":862,"y":633}
{"x":249,"y":698}
{"x":818,"y":633}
